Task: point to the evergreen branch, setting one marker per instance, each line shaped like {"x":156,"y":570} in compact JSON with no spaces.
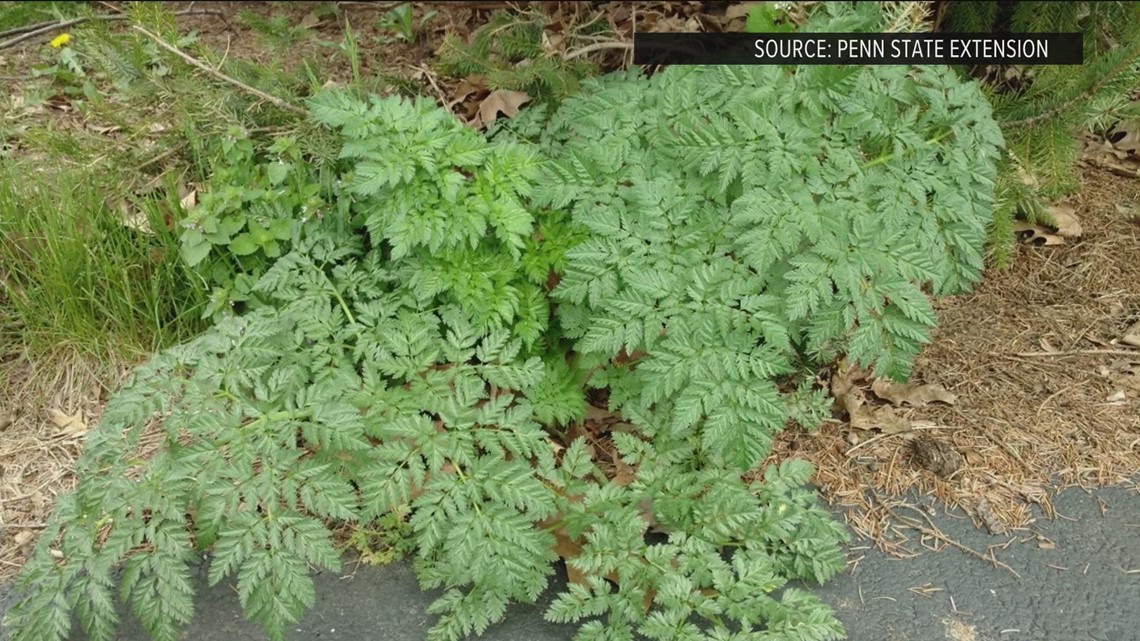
{"x":219,"y":75}
{"x":1068,"y":104}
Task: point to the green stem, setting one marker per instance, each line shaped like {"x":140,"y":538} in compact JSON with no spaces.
{"x":888,"y":156}
{"x":344,"y":306}
{"x":282,"y":415}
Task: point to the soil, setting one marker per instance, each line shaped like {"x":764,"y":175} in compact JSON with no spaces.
{"x":1046,"y":395}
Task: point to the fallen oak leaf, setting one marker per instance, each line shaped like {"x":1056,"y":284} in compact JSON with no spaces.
{"x":467,"y":87}
{"x":499,"y":101}
{"x":863,"y":417}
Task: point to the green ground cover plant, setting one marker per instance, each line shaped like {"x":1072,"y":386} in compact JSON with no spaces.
{"x":412,"y":326}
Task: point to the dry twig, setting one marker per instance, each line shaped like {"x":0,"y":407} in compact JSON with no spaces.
{"x":597,"y":46}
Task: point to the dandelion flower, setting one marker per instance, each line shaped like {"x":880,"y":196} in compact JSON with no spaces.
{"x":61,"y":40}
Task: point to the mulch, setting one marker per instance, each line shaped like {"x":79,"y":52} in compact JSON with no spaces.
{"x":1046,"y":394}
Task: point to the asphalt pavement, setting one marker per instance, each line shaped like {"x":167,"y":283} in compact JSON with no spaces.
{"x":1079,"y":582}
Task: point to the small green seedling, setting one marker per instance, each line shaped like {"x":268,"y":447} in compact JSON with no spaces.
{"x":401,"y":21}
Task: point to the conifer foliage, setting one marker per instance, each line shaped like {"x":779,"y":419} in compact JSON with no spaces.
{"x":719,"y":233}
{"x":1044,"y":109}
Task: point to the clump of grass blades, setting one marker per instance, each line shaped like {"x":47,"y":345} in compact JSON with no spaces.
{"x":19,"y":14}
{"x":75,"y":275}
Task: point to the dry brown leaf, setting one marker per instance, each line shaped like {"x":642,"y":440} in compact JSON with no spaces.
{"x":310,"y":20}
{"x":844,"y":380}
{"x":189,"y":198}
{"x":738,"y":11}
{"x":595,"y":414}
{"x":1132,"y":335}
{"x":1066,"y":221}
{"x":625,"y":474}
{"x":568,"y":549}
{"x":669,"y":24}
{"x":1047,"y":545}
{"x":1102,"y":150}
{"x":553,"y":43}
{"x":23,"y":537}
{"x":890,"y":423}
{"x":576,"y":576}
{"x":500,"y":101}
{"x":913,"y":395}
{"x":69,"y":425}
{"x":864,"y":417}
{"x":1126,"y":138}
{"x":986,"y":514}
{"x":564,"y":546}
{"x":1036,"y":235}
{"x":647,"y":514}
{"x":468,"y":87}
{"x":1119,"y":161}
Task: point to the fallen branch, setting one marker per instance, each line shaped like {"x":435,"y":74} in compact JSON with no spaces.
{"x":597,"y":46}
{"x":221,"y":76}
{"x":31,"y":31}
{"x":1082,"y":352}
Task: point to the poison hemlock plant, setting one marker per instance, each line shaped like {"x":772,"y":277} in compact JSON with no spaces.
{"x":750,"y":224}
{"x":385,"y":368}
{"x":717,"y":232}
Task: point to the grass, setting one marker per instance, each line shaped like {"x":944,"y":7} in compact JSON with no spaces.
{"x":19,"y":14}
{"x":76,"y":275}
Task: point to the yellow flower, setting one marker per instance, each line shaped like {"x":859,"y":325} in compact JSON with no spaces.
{"x":61,"y":40}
